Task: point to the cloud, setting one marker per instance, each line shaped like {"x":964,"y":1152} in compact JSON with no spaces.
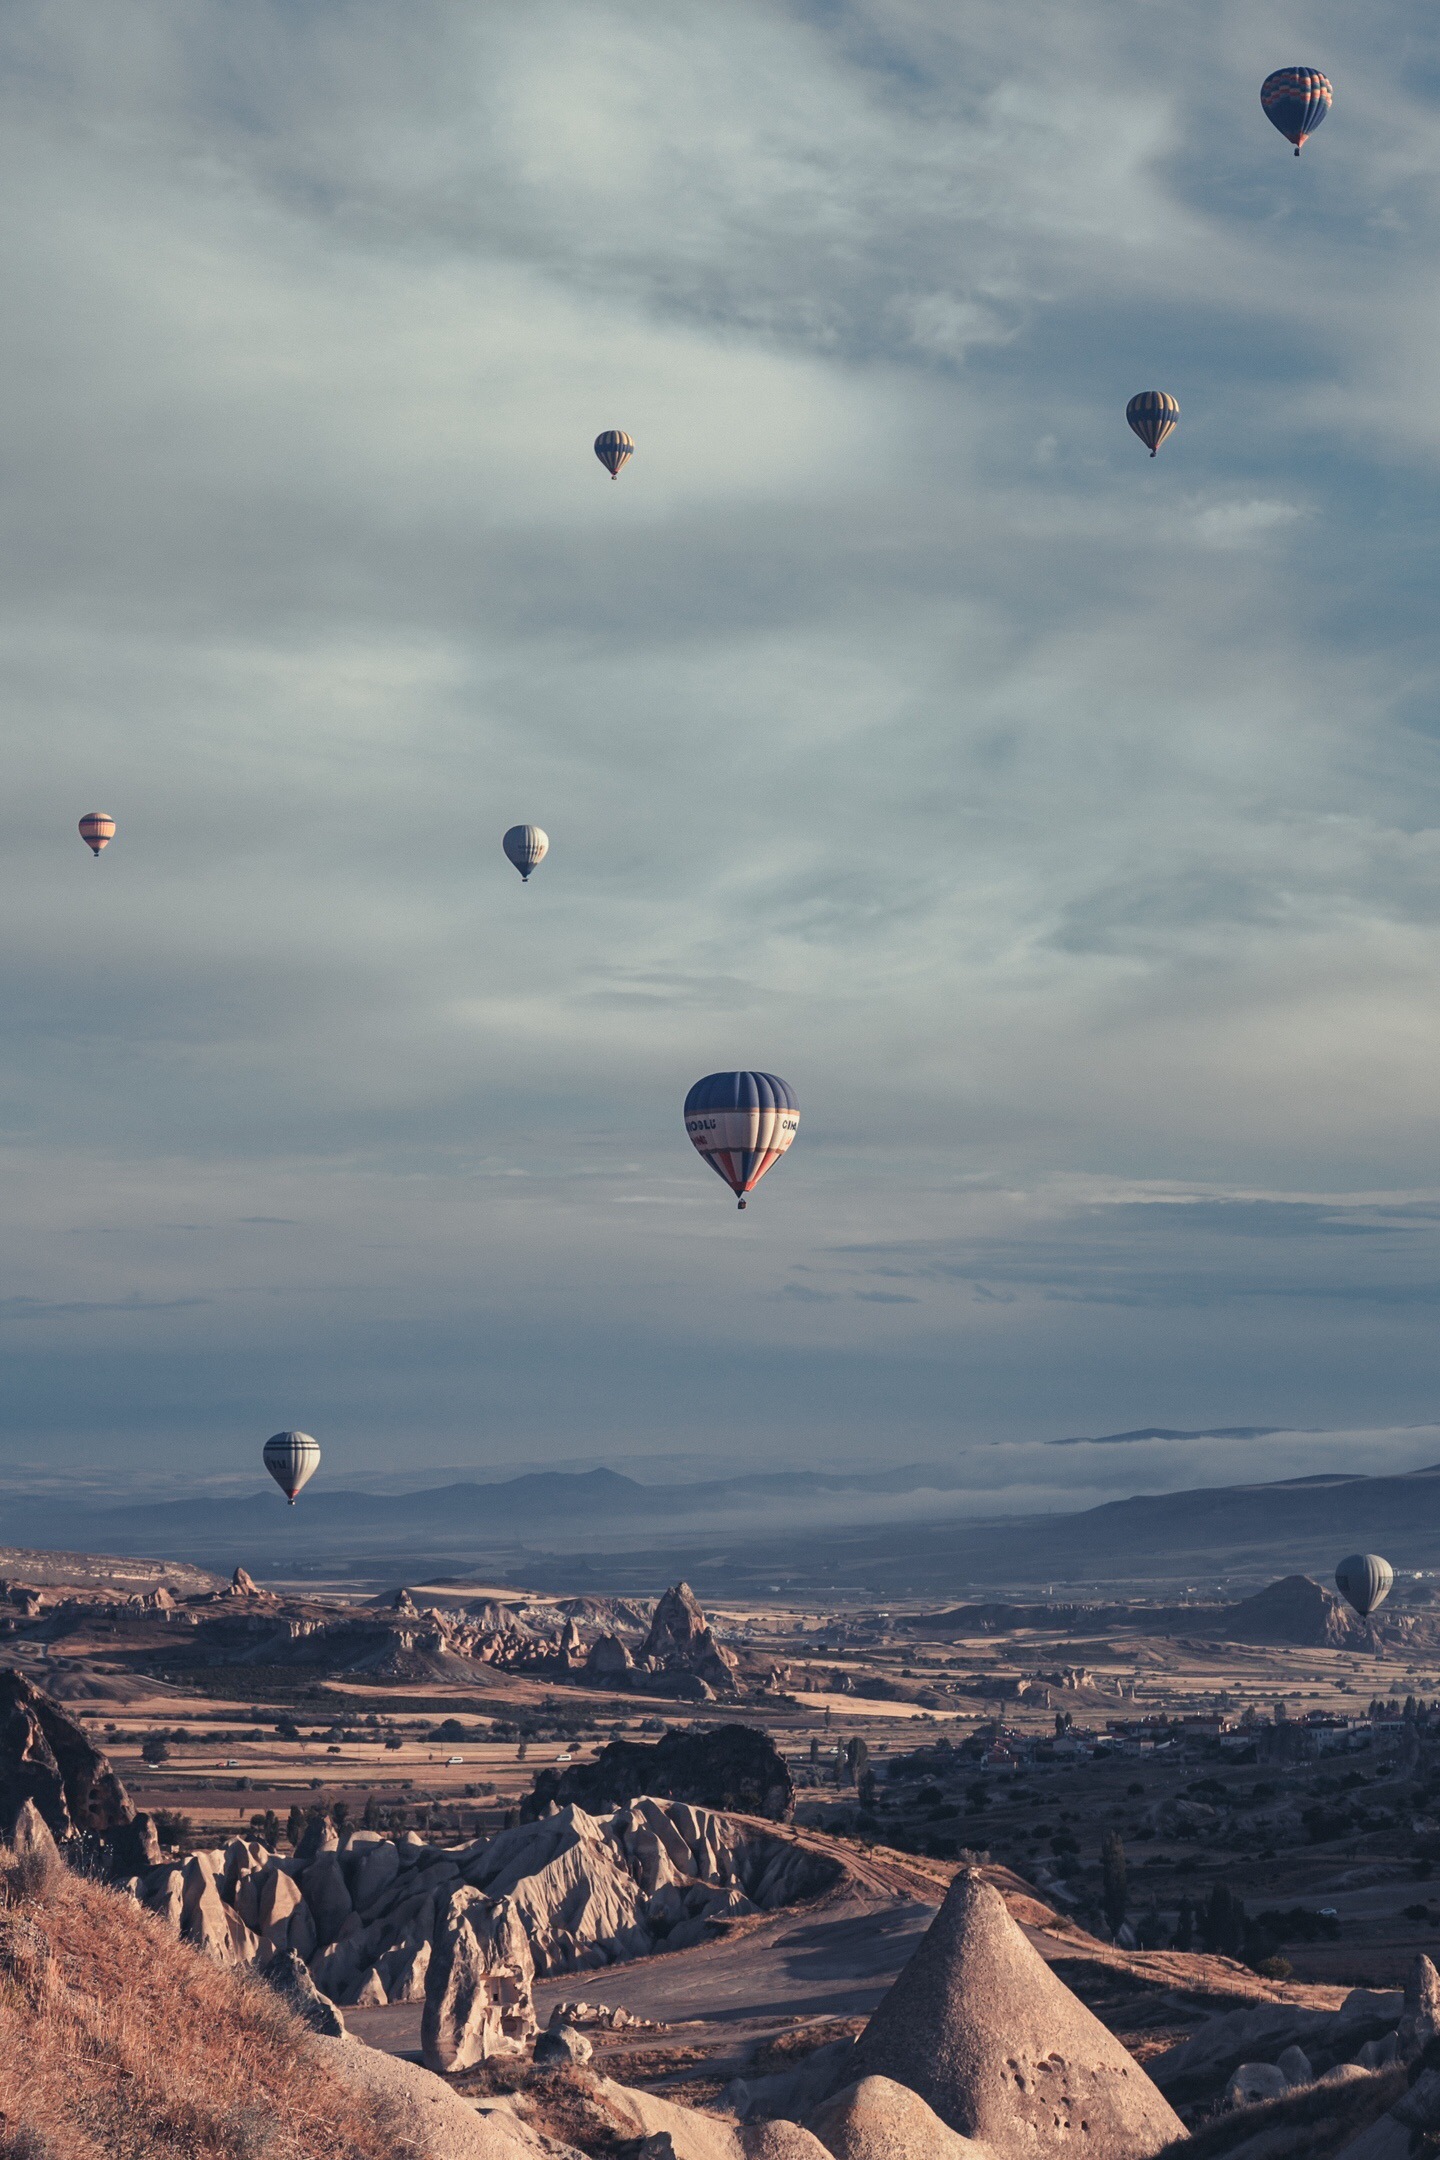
{"x":1063,"y":825}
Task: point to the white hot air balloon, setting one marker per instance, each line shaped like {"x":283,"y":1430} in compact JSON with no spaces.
{"x":292,"y":1458}
{"x":527,"y":848}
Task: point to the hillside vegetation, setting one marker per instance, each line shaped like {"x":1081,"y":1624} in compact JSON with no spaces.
{"x":118,"y":2042}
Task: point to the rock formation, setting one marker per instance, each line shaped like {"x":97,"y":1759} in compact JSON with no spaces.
{"x":1296,"y":1609}
{"x":369,"y":1917}
{"x":682,"y":1644}
{"x":877,"y":2119}
{"x":724,"y":1766}
{"x":1420,"y":2019}
{"x":985,"y":2033}
{"x":1265,"y":2032}
{"x":290,"y":1979}
{"x":477,"y":1994}
{"x":46,"y":1758}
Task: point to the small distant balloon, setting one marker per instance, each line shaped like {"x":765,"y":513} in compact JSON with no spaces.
{"x":1365,"y":1581}
{"x":742,"y":1123}
{"x":1296,"y":100}
{"x":613,"y":448}
{"x":527,"y":848}
{"x":97,"y":830}
{"x":292,"y":1458}
{"x":1152,"y":414}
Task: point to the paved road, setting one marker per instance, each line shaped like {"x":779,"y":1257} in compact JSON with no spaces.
{"x":834,"y":1959}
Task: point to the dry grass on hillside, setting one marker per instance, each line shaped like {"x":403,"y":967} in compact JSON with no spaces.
{"x":118,"y":2042}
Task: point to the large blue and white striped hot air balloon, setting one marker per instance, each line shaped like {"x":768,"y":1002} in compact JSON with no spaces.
{"x":1296,"y":100}
{"x":292,"y":1458}
{"x":741,"y":1122}
{"x":1152,"y":415}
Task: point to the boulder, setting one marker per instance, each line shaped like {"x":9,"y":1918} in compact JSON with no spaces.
{"x":1260,"y":2033}
{"x":318,"y":1836}
{"x":163,"y":1893}
{"x":787,"y":2141}
{"x":668,"y":2129}
{"x":30,"y":1839}
{"x":277,"y":1898}
{"x":560,"y":2044}
{"x":326,"y":1895}
{"x":47,"y":1759}
{"x":289,"y":1978}
{"x":207,"y":1921}
{"x":478,"y":1987}
{"x":1408,"y":2129}
{"x":404,"y":1970}
{"x":376,"y":1872}
{"x":1296,"y":2065}
{"x":368,"y":1993}
{"x":1420,"y":2019}
{"x":876,"y":2119}
{"x":339,"y":1965}
{"x":434,"y":2122}
{"x":1254,"y":2082}
{"x":980,"y":2027}
{"x":1376,"y":2054}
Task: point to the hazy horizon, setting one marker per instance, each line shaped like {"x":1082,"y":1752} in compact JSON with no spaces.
{"x":1064,"y":826}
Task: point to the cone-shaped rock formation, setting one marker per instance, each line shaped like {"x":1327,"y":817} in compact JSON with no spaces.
{"x":980,"y":2027}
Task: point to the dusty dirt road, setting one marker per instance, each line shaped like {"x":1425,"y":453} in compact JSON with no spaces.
{"x":832,"y":1959}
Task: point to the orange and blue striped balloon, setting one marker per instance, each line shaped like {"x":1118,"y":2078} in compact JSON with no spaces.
{"x":1295,"y":100}
{"x":97,"y":830}
{"x":1152,"y":414}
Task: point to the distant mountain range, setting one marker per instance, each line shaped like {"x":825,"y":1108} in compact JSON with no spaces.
{"x":801,"y":1531}
{"x":1164,"y":1432}
{"x":460,"y":1517}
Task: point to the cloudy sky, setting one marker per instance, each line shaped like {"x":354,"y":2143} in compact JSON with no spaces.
{"x":1064,"y":826}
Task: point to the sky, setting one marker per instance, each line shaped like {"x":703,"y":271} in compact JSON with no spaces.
{"x":1063,"y":825}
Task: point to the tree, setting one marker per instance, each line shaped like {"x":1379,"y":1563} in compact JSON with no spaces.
{"x":522,"y":1751}
{"x":1112,"y":1865}
{"x":370,"y":1820}
{"x":394,"y":1744}
{"x":814,"y":1748}
{"x":865,"y":1789}
{"x":270,"y":1829}
{"x":1185,"y":1924}
{"x":1222,"y":1924}
{"x":857,"y":1755}
{"x":295,"y":1825}
{"x":155,"y":1748}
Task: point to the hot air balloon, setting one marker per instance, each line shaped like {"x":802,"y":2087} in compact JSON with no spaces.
{"x":527,"y":848}
{"x":613,"y":448}
{"x":97,"y":830}
{"x":1365,"y":1581}
{"x":1152,"y":414}
{"x":1295,"y":100}
{"x":741,"y":1122}
{"x":292,"y":1458}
